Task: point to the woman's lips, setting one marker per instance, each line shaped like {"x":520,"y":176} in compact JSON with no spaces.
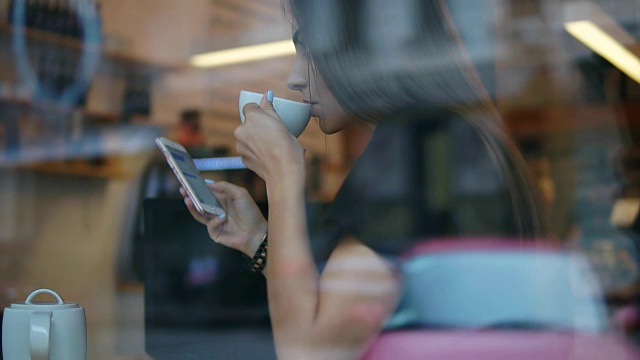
{"x":314,"y":106}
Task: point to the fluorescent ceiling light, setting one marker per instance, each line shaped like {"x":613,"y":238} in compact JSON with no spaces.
{"x":606,"y":46}
{"x":244,"y":54}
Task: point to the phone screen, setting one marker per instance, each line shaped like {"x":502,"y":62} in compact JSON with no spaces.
{"x":186,"y":166}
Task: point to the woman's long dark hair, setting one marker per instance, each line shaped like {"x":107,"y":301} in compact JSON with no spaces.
{"x":428,"y":67}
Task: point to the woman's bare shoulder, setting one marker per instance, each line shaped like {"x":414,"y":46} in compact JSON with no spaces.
{"x":351,"y":253}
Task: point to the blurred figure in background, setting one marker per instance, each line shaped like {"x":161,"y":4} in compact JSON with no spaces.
{"x":398,"y":72}
{"x":190,"y":133}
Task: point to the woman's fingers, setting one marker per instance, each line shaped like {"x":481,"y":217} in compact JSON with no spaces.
{"x":215,"y":228}
{"x":229,"y":190}
{"x":202,"y":218}
{"x":214,"y":224}
{"x":266,"y":104}
{"x":194,"y":212}
{"x":250,"y":108}
{"x":220,"y":195}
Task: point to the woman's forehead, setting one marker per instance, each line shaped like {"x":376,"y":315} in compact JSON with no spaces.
{"x":288,"y":13}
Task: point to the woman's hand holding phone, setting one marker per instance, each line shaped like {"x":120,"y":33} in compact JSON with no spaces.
{"x":243,"y":225}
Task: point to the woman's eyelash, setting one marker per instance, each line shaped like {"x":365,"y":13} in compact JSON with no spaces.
{"x":298,"y":41}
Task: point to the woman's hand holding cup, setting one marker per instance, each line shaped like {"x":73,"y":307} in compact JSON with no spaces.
{"x":266,"y":141}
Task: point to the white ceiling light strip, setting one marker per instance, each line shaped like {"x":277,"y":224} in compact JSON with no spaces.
{"x":243,"y":54}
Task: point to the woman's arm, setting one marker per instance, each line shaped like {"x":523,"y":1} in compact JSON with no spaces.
{"x":292,"y":278}
{"x":331,"y":315}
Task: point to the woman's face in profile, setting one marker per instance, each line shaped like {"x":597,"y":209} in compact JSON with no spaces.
{"x":305,"y":79}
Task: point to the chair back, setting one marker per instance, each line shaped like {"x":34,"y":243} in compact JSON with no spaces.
{"x":497,"y":299}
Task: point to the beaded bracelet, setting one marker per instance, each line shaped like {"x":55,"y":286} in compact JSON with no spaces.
{"x":259,"y":260}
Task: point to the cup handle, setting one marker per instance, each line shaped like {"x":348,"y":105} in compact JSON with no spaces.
{"x":40,"y":291}
{"x":39,"y":334}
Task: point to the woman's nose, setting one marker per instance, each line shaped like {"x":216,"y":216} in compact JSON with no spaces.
{"x":298,"y":78}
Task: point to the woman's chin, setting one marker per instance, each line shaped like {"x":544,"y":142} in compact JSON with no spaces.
{"x":328,"y":128}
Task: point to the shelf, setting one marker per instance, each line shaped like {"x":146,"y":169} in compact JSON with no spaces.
{"x":112,"y":144}
{"x":79,"y":167}
{"x":6,"y":29}
{"x":93,"y":115}
{"x":49,"y":105}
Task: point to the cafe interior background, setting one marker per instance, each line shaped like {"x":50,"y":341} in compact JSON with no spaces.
{"x":85,"y":87}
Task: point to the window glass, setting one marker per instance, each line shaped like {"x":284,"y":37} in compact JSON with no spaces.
{"x":466,"y":142}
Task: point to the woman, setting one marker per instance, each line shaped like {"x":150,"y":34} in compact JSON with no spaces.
{"x":350,"y":79}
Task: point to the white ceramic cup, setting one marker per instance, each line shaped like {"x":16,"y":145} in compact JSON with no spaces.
{"x":295,"y":115}
{"x":48,"y":330}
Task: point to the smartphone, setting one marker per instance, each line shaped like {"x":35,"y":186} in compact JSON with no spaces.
{"x":189,"y":177}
